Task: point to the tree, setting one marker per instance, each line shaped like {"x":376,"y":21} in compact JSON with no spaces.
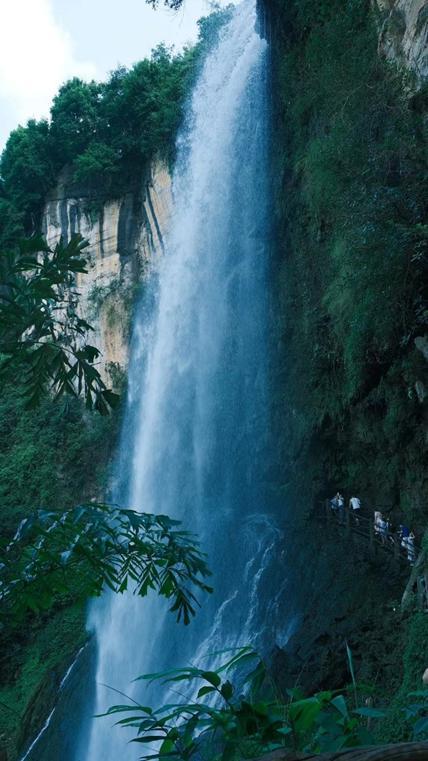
{"x":98,"y":163}
{"x":28,"y":170}
{"x":74,"y":118}
{"x":106,"y":134}
{"x":81,"y":551}
{"x":11,"y":221}
{"x":43,"y":341}
{"x":141,"y":108}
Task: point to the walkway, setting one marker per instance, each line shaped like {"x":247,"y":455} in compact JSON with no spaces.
{"x":363,"y":527}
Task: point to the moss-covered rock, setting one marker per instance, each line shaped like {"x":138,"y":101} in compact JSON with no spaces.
{"x":40,"y":656}
{"x":349,"y":279}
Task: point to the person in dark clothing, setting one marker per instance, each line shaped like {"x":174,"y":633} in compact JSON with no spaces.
{"x":404,"y":533}
{"x":334,"y":503}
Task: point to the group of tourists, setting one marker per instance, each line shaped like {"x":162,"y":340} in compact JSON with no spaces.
{"x":337,"y":504}
{"x":401,"y":536}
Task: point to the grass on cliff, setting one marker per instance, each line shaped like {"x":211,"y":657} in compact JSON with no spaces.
{"x":395,"y":728}
{"x":54,"y":456}
{"x":351,"y":272}
{"x":350,"y":150}
{"x":35,"y":663}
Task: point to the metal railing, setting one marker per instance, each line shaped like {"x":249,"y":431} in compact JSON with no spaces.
{"x":353,"y":521}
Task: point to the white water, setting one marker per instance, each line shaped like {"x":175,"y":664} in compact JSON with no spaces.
{"x":46,"y":725}
{"x":194,"y":441}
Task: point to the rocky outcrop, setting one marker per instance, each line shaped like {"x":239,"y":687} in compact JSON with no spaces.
{"x":404,"y":34}
{"x":125,"y":238}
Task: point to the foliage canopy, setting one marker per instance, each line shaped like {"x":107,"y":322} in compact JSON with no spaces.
{"x":105,"y":133}
{"x":80,"y":551}
{"x":229,"y":722}
{"x":43,"y":341}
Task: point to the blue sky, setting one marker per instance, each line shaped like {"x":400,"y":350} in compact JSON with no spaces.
{"x":44,"y":42}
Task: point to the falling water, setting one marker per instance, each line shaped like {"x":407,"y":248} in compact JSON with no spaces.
{"x":194,"y":440}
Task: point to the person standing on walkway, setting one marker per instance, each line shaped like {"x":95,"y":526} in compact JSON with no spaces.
{"x":383,"y":529}
{"x":411,"y":551}
{"x":340,"y":507}
{"x":377,"y":520}
{"x":334,"y":503}
{"x":355,"y":507}
{"x":404,"y":533}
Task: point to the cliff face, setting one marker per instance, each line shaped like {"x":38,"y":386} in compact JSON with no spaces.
{"x":125,"y":237}
{"x":404,"y":34}
{"x":349,"y":403}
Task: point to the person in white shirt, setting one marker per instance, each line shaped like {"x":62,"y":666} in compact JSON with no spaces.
{"x":411,"y":552}
{"x":383,"y":529}
{"x":355,"y":507}
{"x":378,"y":518}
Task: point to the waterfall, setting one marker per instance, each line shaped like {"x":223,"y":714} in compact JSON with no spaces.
{"x":196,"y":428}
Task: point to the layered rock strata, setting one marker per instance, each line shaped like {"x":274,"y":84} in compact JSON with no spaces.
{"x":126,"y":237}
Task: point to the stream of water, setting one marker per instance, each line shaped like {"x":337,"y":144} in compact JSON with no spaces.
{"x":195,"y":439}
{"x":196,"y":429}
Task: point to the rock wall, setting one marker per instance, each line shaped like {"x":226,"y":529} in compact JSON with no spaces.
{"x":404,"y":34}
{"x":125,"y":238}
{"x":334,"y":590}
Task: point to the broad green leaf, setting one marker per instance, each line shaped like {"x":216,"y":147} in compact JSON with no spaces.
{"x":226,"y":690}
{"x":373,"y":713}
{"x":212,"y":677}
{"x":339,"y":702}
{"x":284,"y":731}
{"x":303,"y":713}
{"x":205,"y":691}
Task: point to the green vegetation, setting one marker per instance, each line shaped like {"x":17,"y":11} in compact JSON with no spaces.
{"x":43,"y":341}
{"x":84,"y":550}
{"x":28,"y":171}
{"x":32,"y":665}
{"x":231,"y":722}
{"x":106,"y":132}
{"x":352,"y":259}
{"x":51,"y":456}
{"x":415,"y":657}
{"x":350,"y":275}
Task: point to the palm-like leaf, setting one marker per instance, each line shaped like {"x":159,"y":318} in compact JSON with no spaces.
{"x":43,"y":341}
{"x":83,"y":550}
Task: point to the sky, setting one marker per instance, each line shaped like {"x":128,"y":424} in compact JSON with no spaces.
{"x":45,"y":42}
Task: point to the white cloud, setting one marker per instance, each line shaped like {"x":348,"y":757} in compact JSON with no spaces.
{"x":45,"y":42}
{"x":36,"y":56}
